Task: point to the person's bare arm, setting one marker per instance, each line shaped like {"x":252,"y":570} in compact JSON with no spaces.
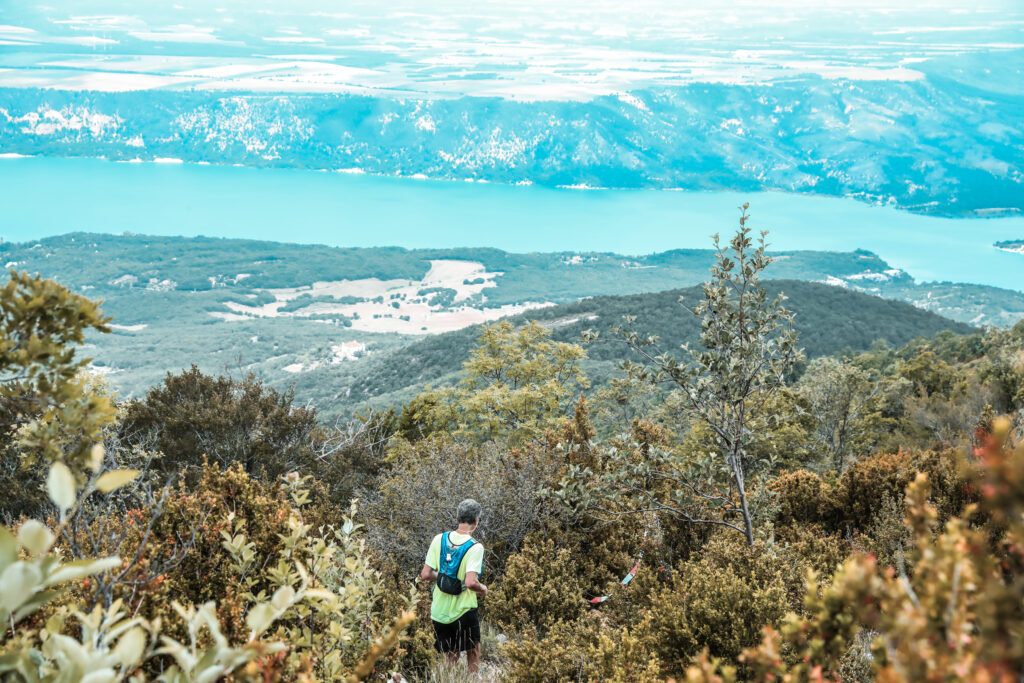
{"x":427,"y":573}
{"x":473,"y":583}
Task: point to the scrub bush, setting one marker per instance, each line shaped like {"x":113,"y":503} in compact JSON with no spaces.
{"x":956,"y":612}
{"x":416,"y":499}
{"x":804,"y":498}
{"x":718,"y":600}
{"x":582,"y":650}
{"x":864,"y":487}
{"x":540,"y":587}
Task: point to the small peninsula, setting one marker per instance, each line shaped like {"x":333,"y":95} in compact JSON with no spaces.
{"x":1014,"y":246}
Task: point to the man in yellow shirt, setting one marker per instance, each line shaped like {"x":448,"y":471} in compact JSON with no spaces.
{"x":455,"y":562}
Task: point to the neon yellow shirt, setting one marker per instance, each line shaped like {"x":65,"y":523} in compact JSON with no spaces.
{"x":446,"y":608}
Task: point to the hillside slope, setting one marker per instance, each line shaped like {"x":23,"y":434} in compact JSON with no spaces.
{"x":829,"y":320}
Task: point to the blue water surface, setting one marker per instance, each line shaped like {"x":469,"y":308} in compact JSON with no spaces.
{"x":42,"y":196}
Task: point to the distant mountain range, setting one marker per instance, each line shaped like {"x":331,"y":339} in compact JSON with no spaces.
{"x":934,"y":145}
{"x":346,"y":326}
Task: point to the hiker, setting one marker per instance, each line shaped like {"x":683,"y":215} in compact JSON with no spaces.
{"x":455,"y":562}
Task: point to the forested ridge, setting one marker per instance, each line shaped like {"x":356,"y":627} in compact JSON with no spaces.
{"x":798,"y":501}
{"x":829,"y":321}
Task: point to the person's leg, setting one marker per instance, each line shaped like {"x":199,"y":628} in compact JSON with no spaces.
{"x":473,"y":658}
{"x":445,"y":642}
{"x":472,"y":640}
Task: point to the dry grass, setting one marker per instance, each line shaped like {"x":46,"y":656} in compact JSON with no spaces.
{"x":490,"y":666}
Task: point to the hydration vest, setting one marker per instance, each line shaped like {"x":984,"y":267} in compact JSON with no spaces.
{"x":448,"y":567}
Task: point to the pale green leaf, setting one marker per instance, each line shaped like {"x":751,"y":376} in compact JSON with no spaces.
{"x":106,"y":675}
{"x":283,"y":598}
{"x":260,"y":618}
{"x":17,"y":584}
{"x":71,"y":650}
{"x":35,"y":537}
{"x":130,"y":648}
{"x":8,"y":548}
{"x":60,"y":484}
{"x":115,"y":479}
{"x":81,"y":569}
{"x":96,"y":457}
{"x":211,"y":674}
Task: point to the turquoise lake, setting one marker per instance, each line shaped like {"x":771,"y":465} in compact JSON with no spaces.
{"x":41,"y":197}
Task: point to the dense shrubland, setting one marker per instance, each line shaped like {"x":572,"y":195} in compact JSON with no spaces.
{"x":853,"y":518}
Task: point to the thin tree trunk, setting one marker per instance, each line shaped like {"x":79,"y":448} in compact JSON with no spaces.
{"x":741,"y":488}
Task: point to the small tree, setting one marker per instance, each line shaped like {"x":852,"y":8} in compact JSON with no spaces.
{"x":48,"y":411}
{"x":748,"y":346}
{"x":519,"y":381}
{"x":192,"y":415}
{"x":847,"y":404}
{"x":518,"y":384}
{"x":1004,"y":366}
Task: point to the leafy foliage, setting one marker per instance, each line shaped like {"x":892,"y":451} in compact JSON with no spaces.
{"x":955,"y":616}
{"x":848,"y":407}
{"x":717,"y":602}
{"x":518,"y":384}
{"x":47,"y":410}
{"x":541,"y":588}
{"x":316,"y":577}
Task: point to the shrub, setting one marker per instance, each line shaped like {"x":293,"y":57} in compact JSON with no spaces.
{"x":517,"y":385}
{"x":540,"y":587}
{"x":929,"y":374}
{"x":350,"y":455}
{"x":559,"y":655}
{"x":809,"y":546}
{"x":229,"y":542}
{"x":48,"y":410}
{"x":1004,"y":366}
{"x":886,"y":536}
{"x":803,"y":497}
{"x":717,"y":601}
{"x":581,"y":650}
{"x":193,"y":415}
{"x":621,"y":658}
{"x":189,"y":527}
{"x":417,"y":499}
{"x":957,"y":614}
{"x":864,"y":487}
{"x":314,"y":611}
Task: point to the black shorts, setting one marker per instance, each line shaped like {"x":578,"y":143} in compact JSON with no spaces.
{"x":460,"y":635}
